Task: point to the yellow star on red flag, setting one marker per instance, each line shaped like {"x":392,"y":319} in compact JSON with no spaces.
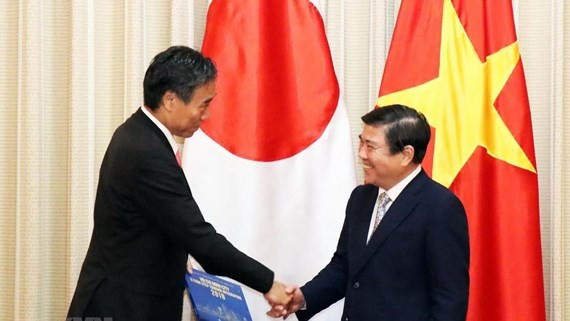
{"x":459,"y":102}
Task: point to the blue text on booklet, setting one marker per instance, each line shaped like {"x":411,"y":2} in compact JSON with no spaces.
{"x":216,"y":299}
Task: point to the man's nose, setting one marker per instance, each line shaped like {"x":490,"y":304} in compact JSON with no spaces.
{"x":362,"y":151}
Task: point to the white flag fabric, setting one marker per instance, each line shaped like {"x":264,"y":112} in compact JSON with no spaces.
{"x":272,"y":168}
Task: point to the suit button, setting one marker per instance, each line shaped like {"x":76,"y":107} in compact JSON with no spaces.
{"x":356,"y":285}
{"x":345,"y":318}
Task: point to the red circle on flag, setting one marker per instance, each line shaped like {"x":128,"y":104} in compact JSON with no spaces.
{"x":276,"y":87}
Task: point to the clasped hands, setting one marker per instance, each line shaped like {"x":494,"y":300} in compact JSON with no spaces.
{"x":284,"y":300}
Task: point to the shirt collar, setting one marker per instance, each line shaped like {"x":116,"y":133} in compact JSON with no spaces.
{"x":398,"y":188}
{"x":162,"y":128}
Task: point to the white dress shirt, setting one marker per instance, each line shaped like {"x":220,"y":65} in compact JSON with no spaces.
{"x":393,"y":194}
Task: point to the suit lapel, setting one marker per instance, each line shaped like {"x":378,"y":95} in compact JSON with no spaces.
{"x":164,"y":147}
{"x":361,"y":223}
{"x":396,"y":214}
{"x":139,"y":116}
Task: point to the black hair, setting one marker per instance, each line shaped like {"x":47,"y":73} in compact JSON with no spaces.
{"x":404,"y":126}
{"x":179,"y":69}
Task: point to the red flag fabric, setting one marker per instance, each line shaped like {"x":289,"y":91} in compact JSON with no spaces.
{"x":272,"y":168}
{"x":458,"y":62}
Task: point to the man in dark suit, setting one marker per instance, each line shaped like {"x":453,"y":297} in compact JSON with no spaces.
{"x":146,"y":220}
{"x":403,"y":253}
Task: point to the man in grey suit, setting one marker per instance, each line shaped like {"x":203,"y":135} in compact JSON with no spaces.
{"x":146,"y":220}
{"x":403,"y":252}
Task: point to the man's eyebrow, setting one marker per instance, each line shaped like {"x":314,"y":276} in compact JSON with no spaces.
{"x":365,"y":140}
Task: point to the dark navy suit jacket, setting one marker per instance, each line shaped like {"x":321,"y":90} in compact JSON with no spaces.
{"x":414,"y":268}
{"x":146,"y":224}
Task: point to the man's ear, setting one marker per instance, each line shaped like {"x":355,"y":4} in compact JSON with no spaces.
{"x":407,"y":155}
{"x":168,"y":100}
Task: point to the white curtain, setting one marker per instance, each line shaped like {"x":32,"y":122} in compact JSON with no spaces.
{"x":71,"y":71}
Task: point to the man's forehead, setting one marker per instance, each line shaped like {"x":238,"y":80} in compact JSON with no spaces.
{"x":370,"y":131}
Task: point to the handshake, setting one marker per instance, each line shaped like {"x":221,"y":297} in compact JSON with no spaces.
{"x":284,"y":300}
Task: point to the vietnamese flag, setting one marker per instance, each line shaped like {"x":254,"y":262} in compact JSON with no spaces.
{"x":458,"y":62}
{"x":273,"y":167}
